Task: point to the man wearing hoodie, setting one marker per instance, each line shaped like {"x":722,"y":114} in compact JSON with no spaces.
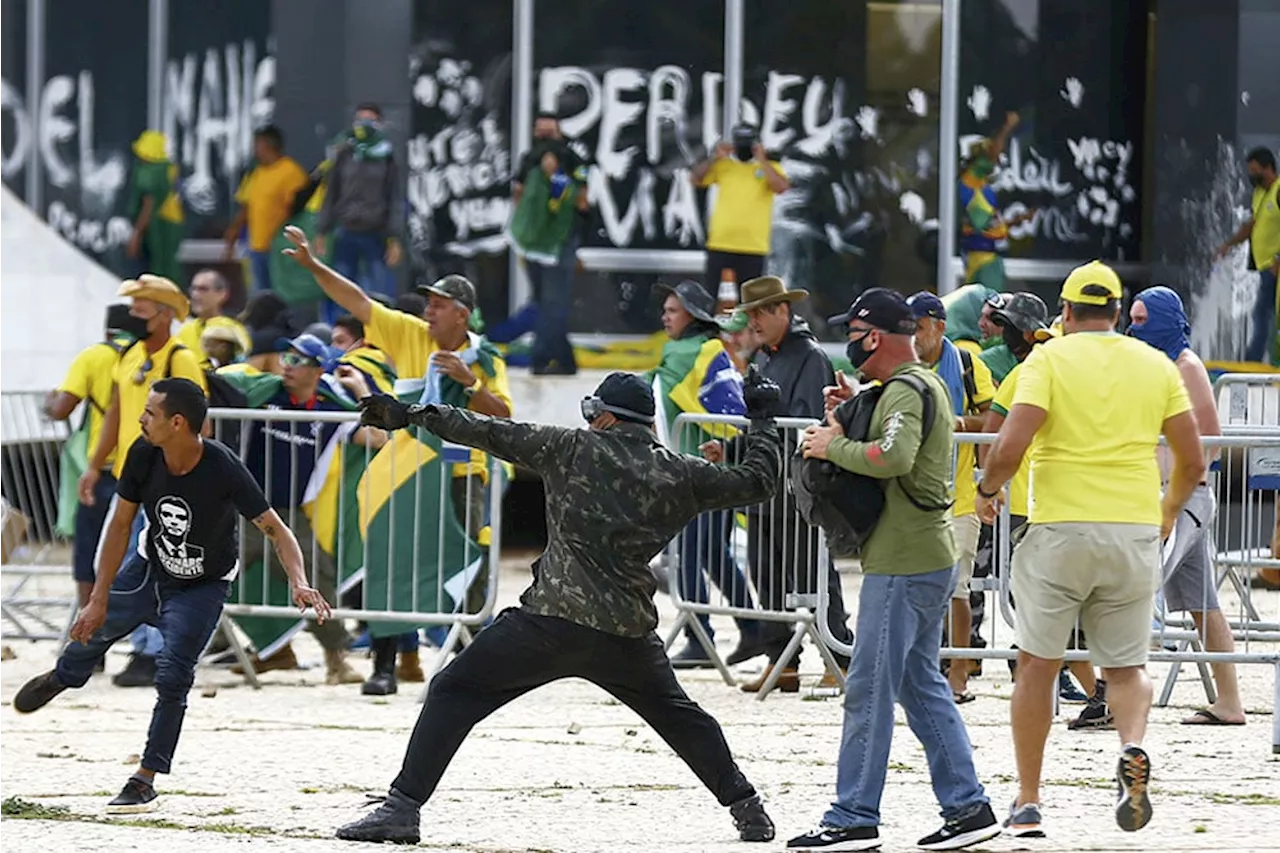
{"x":360,"y":204}
{"x":781,"y":549}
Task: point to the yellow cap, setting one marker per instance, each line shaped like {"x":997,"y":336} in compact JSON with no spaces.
{"x":157,"y":289}
{"x":150,"y":146}
{"x":1094,"y":272}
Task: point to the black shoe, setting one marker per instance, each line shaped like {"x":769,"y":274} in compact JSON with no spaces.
{"x":958,"y":833}
{"x":838,"y":838}
{"x":139,"y":672}
{"x":38,"y":692}
{"x":395,"y":820}
{"x":137,"y":796}
{"x":747,"y":649}
{"x":383,"y":680}
{"x":1133,"y":808}
{"x":692,"y":656}
{"x":750,"y":819}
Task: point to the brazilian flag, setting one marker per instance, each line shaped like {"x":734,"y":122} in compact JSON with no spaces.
{"x":697,"y":376}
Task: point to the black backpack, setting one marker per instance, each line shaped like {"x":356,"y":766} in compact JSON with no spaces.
{"x":847,"y":506}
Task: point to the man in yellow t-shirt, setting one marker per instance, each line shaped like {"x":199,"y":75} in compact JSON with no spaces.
{"x":424,"y":350}
{"x":156,"y":303}
{"x":89,"y":380}
{"x":1091,"y":407}
{"x":266,"y":201}
{"x":738,"y":229}
{"x":971,"y":389}
{"x":1263,"y":233}
{"x":209,"y":292}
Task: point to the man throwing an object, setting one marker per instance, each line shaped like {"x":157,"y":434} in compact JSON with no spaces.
{"x":615,"y":498}
{"x":190,"y":490}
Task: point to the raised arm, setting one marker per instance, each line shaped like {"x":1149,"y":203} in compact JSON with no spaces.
{"x":340,"y":289}
{"x":753,"y":480}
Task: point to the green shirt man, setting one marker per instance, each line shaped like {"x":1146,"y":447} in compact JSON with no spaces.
{"x":155,"y":208}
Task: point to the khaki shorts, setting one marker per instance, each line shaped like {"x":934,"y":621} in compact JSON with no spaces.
{"x":1104,"y":574}
{"x":967,"y":529}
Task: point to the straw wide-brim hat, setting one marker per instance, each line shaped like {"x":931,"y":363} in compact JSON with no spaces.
{"x":157,"y":289}
{"x":767,"y":290}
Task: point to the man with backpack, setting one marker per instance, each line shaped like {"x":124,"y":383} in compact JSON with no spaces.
{"x":88,"y":379}
{"x":908,"y":568}
{"x":155,"y":303}
{"x":971,"y":390}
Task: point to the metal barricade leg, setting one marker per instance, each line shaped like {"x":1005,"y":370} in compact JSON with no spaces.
{"x":1275,"y":712}
{"x":709,"y":646}
{"x":802,"y":627}
{"x":228,"y":627}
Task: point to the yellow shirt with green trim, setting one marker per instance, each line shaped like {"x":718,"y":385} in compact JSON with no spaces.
{"x":1264,"y":241}
{"x":135,"y":373}
{"x":90,"y":377}
{"x":966,"y":454}
{"x":1020,"y":485}
{"x":743,"y":216}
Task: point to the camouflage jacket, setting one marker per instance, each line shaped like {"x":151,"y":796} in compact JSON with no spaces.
{"x":614,"y":499}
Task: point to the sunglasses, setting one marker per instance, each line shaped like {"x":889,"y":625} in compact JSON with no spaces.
{"x":293,"y":359}
{"x":141,"y":376}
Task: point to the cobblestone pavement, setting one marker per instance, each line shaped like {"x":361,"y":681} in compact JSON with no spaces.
{"x":567,"y":769}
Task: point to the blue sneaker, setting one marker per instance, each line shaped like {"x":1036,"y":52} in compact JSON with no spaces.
{"x":360,"y":641}
{"x":1067,"y":690}
{"x":436,"y":635}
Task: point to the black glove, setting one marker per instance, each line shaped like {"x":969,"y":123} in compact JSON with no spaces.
{"x":762,"y":396}
{"x":384,"y":412}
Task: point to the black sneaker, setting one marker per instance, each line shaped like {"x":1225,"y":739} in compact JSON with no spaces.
{"x":1095,"y":715}
{"x":1133,"y":773}
{"x":136,"y":797}
{"x":395,"y":820}
{"x":751,"y":820}
{"x":38,"y":692}
{"x":692,"y":656}
{"x":837,"y":838}
{"x":956,"y":834}
{"x":140,"y":671}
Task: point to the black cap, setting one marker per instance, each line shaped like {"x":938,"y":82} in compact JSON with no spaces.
{"x":1026,"y":312}
{"x":117,"y":317}
{"x":452,"y":287}
{"x":628,"y":392}
{"x":880,"y":308}
{"x":693,"y":297}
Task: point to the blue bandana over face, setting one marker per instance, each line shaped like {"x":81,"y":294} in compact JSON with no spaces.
{"x":1166,"y":327}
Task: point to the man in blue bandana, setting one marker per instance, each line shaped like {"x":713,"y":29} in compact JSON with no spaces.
{"x":1158,"y":319}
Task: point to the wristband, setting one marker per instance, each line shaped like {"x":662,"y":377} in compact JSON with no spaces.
{"x":988,"y":495}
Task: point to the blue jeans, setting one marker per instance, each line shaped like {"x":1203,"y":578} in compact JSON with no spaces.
{"x":260,"y":269}
{"x":88,"y":529}
{"x":1264,"y":319}
{"x":145,"y":639}
{"x":895,"y":659}
{"x":186,"y":616}
{"x":354,"y":251}
{"x":705,"y":550}
{"x":553,"y":291}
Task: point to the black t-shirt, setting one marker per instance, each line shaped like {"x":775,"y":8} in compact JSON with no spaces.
{"x":192,"y":533}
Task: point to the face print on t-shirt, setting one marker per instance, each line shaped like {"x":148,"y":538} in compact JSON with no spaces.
{"x":176,"y":556}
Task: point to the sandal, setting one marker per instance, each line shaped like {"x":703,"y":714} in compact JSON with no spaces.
{"x":963,"y":698}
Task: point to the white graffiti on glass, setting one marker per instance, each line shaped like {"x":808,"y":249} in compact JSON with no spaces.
{"x":212,"y":104}
{"x":462,"y":167}
{"x":59,"y":130}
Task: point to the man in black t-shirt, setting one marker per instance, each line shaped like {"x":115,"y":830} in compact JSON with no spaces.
{"x":190,"y":490}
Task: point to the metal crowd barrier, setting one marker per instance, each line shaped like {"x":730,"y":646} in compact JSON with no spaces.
{"x":30,"y":446}
{"x":393,"y":549}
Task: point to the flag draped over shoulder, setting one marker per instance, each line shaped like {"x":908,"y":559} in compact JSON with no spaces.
{"x":417,"y":555}
{"x":340,"y":464}
{"x":697,"y":376}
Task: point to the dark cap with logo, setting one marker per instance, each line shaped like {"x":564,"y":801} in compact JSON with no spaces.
{"x":452,"y":287}
{"x":880,"y":308}
{"x":926,"y":304}
{"x":1025,"y":311}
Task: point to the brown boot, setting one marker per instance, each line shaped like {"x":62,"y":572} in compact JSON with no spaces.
{"x":337,"y":670}
{"x":282,"y":659}
{"x":409,"y":668}
{"x":831,"y":681}
{"x":788,"y":681}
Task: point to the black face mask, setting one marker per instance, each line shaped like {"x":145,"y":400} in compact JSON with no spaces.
{"x":856,"y":354}
{"x":1015,"y":341}
{"x":742,"y":151}
{"x":135,"y":326}
{"x":1256,"y":180}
